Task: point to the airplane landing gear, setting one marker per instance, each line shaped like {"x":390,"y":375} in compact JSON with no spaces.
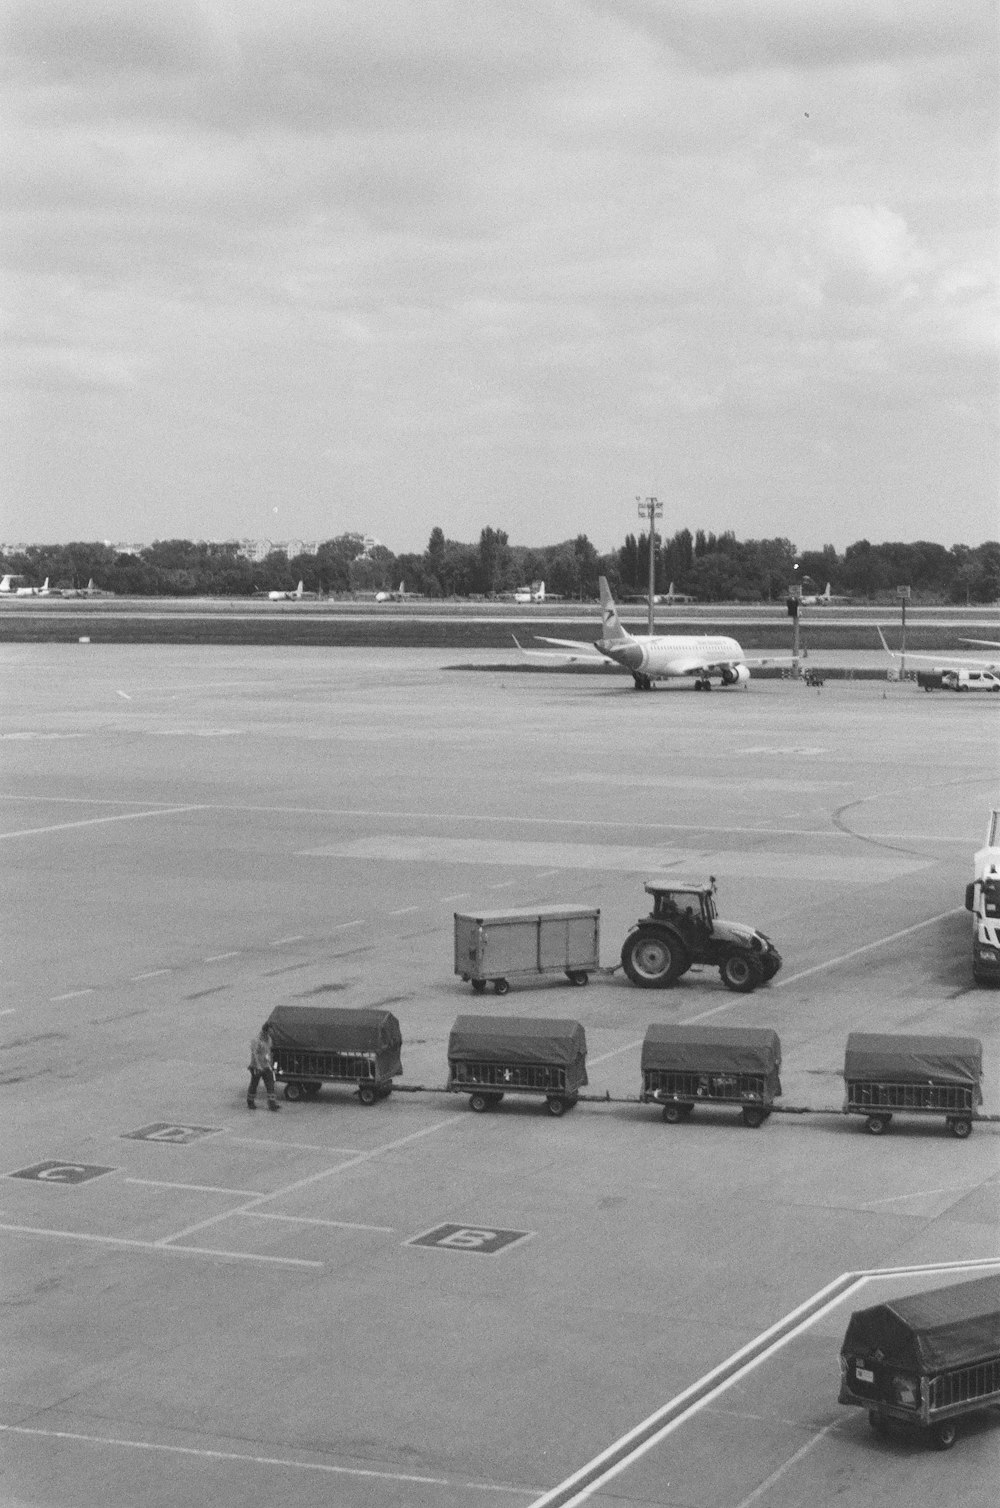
{"x":704,"y":684}
{"x":642,"y":683}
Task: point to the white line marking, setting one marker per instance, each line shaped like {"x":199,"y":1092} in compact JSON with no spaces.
{"x":590,"y":1477}
{"x":70,"y":995}
{"x":503,"y":884}
{"x":459,"y":897}
{"x":296,"y":1146}
{"x":403,"y":910}
{"x":387,"y":1230}
{"x":285,"y":1463}
{"x":880,"y":942}
{"x":279,"y":942}
{"x":201,"y":1251}
{"x":196,"y":1188}
{"x":302,"y":1183}
{"x":604,"y":1056}
{"x":775,"y":1476}
{"x":124,"y":695}
{"x":151,"y":974}
{"x":715,"y":1011}
{"x":950,"y":1188}
{"x":218,"y":957}
{"x":341,"y":925}
{"x":11,"y":1011}
{"x":59,"y":827}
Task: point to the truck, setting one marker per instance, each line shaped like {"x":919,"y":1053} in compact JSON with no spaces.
{"x":684,"y":928}
{"x":982,"y":898}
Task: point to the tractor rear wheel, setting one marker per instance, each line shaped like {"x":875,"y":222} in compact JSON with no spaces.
{"x":653,"y":959}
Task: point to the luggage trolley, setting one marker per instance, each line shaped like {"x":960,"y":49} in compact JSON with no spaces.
{"x":915,"y":1075}
{"x":926,"y":1359}
{"x":490,"y":1056}
{"x":684,"y":1066}
{"x":490,"y":946}
{"x":316,"y":1045}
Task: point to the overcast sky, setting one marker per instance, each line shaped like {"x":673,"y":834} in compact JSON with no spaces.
{"x":293,"y":267}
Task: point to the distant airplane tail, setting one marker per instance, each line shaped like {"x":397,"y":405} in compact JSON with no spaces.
{"x":299,"y":589}
{"x":538,"y":591}
{"x":612,"y":630}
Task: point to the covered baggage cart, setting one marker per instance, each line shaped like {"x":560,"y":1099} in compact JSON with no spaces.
{"x":684,"y":1066}
{"x":494,"y":946}
{"x":918,"y":1075}
{"x":927,"y":1359}
{"x":490,"y":1056}
{"x":315,"y":1045}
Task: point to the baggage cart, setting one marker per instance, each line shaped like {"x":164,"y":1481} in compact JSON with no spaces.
{"x":925,"y":1360}
{"x":493,"y":946}
{"x":490,"y":1056}
{"x":684,"y":1066}
{"x":315,"y":1045}
{"x":916,"y":1075}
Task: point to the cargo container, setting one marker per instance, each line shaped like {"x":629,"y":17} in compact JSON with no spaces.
{"x":927,"y":1359}
{"x":684,"y":1066}
{"x":490,"y":1056}
{"x":491,"y":947}
{"x":918,"y":1075}
{"x":314,"y":1045}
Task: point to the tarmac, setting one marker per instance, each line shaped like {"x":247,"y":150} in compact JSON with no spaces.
{"x":411,"y":1304}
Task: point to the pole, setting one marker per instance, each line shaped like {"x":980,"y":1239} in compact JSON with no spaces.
{"x":650,"y":508}
{"x":903,"y":593}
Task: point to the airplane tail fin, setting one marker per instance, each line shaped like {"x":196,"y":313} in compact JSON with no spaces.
{"x":611,"y":628}
{"x":299,"y":589}
{"x":884,"y":644}
{"x":539,"y":592}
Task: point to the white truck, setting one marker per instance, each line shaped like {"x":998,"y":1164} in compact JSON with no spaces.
{"x":982,"y":898}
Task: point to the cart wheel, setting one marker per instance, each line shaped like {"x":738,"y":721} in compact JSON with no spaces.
{"x":293,"y":1091}
{"x":961,"y":1128}
{"x":555,"y":1105}
{"x":673,"y":1113}
{"x":577,"y":976}
{"x":738,"y":973}
{"x":478,"y":986}
{"x":501,"y":986}
{"x":753,"y":1116}
{"x":367,"y":1094}
{"x":479,"y":1103}
{"x":943,"y":1435}
{"x":877,"y":1125}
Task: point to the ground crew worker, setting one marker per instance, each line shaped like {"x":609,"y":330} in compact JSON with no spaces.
{"x":261,"y":1067}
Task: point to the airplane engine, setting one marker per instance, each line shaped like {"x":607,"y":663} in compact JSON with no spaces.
{"x":735,"y":675}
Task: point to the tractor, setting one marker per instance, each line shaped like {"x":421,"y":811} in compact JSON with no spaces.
{"x":684,"y":928}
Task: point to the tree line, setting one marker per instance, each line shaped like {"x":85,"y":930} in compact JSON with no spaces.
{"x":710,"y":567}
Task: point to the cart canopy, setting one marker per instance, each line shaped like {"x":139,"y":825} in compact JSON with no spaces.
{"x":319,"y":1028}
{"x":519,"y":1039}
{"x":713,"y":1049}
{"x":931,"y":1332}
{"x":913,"y":1060}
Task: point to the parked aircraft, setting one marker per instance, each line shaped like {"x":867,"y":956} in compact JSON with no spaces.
{"x":295,"y":596}
{"x":28,"y":591}
{"x":90,"y":590}
{"x":533,"y":593}
{"x":655,"y":657}
{"x":10,"y":584}
{"x":822,"y":599}
{"x":958,"y":671}
{"x":400,"y":595}
{"x":670,"y":596}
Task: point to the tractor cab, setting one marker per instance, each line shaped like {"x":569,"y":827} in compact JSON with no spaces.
{"x":688,"y":906}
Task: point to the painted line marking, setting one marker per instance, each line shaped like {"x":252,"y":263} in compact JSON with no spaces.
{"x":285,"y":1463}
{"x":279,"y":942}
{"x":386,"y":1230}
{"x":70,"y":995}
{"x":403,"y":910}
{"x":503,"y":884}
{"x":196,"y":1188}
{"x":459,"y":897}
{"x":150,"y":974}
{"x":59,"y":827}
{"x":11,"y":1011}
{"x":880,"y":942}
{"x":951,"y":1188}
{"x":218,"y":957}
{"x":776,"y":1476}
{"x":639,"y":1440}
{"x":341,"y":925}
{"x":200,"y":1251}
{"x":604,"y":1056}
{"x":303,"y":1183}
{"x":124,"y":695}
{"x":296,"y":1146}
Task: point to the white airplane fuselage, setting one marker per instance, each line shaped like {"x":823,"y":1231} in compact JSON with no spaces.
{"x":662,"y":656}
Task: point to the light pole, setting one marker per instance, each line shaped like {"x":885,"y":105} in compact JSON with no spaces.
{"x":651,"y":509}
{"x":903,"y":593}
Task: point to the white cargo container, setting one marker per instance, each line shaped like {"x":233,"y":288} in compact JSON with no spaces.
{"x":493,"y":946}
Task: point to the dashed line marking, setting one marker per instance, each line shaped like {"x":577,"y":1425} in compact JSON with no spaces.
{"x":196,"y":1188}
{"x":70,"y":995}
{"x":218,"y":957}
{"x":503,"y":884}
{"x":279,"y":942}
{"x":11,"y":1011}
{"x":793,"y":1460}
{"x":461,"y":896}
{"x":403,"y":910}
{"x":880,"y":942}
{"x":341,"y":925}
{"x":59,"y":827}
{"x":150,"y":974}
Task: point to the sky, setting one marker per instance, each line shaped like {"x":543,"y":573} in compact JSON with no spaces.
{"x":291,"y":268}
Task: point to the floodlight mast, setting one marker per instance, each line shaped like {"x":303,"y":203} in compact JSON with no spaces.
{"x":650,"y":508}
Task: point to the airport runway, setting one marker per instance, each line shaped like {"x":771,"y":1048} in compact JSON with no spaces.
{"x":204,"y":1306}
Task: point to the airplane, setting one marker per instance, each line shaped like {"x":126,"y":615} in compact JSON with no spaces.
{"x":90,"y":590}
{"x":10,"y":584}
{"x":655,"y":657}
{"x":670,"y":596}
{"x":295,"y":596}
{"x":822,"y":599}
{"x":954,"y":666}
{"x":28,"y":591}
{"x":533,"y":593}
{"x":400,"y":595}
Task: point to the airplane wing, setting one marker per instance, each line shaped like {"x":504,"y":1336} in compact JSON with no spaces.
{"x":584,"y":653}
{"x":958,"y":660}
{"x":988,"y":643}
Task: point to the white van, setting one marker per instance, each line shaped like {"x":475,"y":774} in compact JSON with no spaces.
{"x":970,"y":680}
